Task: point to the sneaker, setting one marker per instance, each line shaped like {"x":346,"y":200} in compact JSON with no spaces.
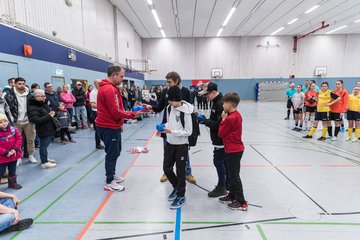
{"x":191,"y":179}
{"x":63,"y":142}
{"x":48,"y":165}
{"x":286,"y":118}
{"x":100,"y":147}
{"x":163,"y":178}
{"x":32,"y":159}
{"x":118,"y":179}
{"x":322,"y":139}
{"x":333,"y":138}
{"x":51,"y":160}
{"x":236,"y":206}
{"x":178,"y":203}
{"x":218,"y":192}
{"x":299,"y":130}
{"x":348,"y":138}
{"x":307,"y":136}
{"x":355,"y":140}
{"x":294,"y":129}
{"x":19,"y":161}
{"x":226,"y":200}
{"x":114,"y":187}
{"x":20,"y":226}
{"x":173,"y":195}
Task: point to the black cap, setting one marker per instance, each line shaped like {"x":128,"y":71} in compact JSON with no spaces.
{"x":209,"y":88}
{"x":174,"y":93}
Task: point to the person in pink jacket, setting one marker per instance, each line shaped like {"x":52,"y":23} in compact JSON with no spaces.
{"x":68,"y":98}
{"x":10,"y":150}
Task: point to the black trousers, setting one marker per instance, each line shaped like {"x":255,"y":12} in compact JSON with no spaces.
{"x":63,"y":132}
{"x":176,"y":154}
{"x":233,"y":164}
{"x":11,"y":168}
{"x":97,"y":138}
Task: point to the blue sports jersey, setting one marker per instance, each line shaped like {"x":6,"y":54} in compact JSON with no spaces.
{"x":290,"y":92}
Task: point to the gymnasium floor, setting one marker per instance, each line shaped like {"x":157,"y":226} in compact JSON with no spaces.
{"x":296,"y":188}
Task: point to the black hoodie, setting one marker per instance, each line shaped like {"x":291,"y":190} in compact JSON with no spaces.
{"x":214,"y":121}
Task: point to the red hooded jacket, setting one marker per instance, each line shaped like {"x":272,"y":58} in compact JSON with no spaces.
{"x":110,"y":108}
{"x":10,"y":139}
{"x":230,"y":130}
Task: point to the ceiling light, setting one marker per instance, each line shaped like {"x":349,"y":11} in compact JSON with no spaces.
{"x":292,"y":21}
{"x":150,"y":2}
{"x":312,"y":9}
{"x":156,"y":18}
{"x":219,"y":32}
{"x":280,"y":29}
{"x":357,"y":21}
{"x":336,"y":29}
{"x":229,"y":16}
{"x":163,"y":33}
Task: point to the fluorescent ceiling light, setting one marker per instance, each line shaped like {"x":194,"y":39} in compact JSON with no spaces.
{"x":219,"y":32}
{"x":163,"y":33}
{"x":229,"y":16}
{"x":292,"y":21}
{"x":150,"y":2}
{"x":312,"y":9}
{"x":280,"y":29}
{"x":156,"y":18}
{"x":336,"y":29}
{"x":357,"y":21}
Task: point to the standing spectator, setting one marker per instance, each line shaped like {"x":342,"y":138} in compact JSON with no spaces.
{"x":52,"y":97}
{"x":17,"y":100}
{"x":192,"y":95}
{"x":93,"y":103}
{"x":63,"y":117}
{"x":87,"y":104}
{"x":132,"y":98}
{"x":43,"y":117}
{"x":79,"y":105}
{"x":230,"y":131}
{"x":199,"y":99}
{"x":7,"y":89}
{"x":37,"y":139}
{"x":68,"y":99}
{"x":10,"y":151}
{"x":4,"y":107}
{"x":109,"y":122}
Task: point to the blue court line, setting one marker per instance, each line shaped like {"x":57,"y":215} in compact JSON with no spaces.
{"x":177,"y":230}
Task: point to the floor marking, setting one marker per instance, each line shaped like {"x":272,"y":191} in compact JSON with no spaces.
{"x":314,"y":223}
{"x":59,"y":222}
{"x":197,"y":151}
{"x":87,"y":226}
{"x":177,"y":230}
{"x":261,"y":231}
{"x":162,"y":222}
{"x":247,"y":226}
{"x":345,"y":213}
{"x":284,"y":175}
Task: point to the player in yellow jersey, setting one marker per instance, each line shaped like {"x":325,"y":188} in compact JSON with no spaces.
{"x":353,"y":114}
{"x":324,"y":98}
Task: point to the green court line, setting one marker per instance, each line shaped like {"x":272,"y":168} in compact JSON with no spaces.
{"x":54,"y":179}
{"x":315,"y":223}
{"x":160,"y":222}
{"x":261,"y":231}
{"x":45,"y":223}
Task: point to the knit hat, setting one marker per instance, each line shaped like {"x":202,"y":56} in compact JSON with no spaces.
{"x":3,"y":117}
{"x":174,"y":94}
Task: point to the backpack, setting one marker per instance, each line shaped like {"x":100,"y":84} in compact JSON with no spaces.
{"x":195,"y":127}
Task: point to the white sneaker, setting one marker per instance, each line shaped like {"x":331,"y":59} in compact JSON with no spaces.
{"x":118,"y":179}
{"x":51,"y":160}
{"x":19,"y":161}
{"x":348,"y":138}
{"x":333,"y":138}
{"x":355,"y":140}
{"x":48,"y":165}
{"x":113,"y":187}
{"x":32,"y":159}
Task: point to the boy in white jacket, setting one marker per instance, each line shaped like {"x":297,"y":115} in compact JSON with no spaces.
{"x":176,"y":149}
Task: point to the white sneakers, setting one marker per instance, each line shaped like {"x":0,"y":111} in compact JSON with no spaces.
{"x":114,"y":187}
{"x":51,"y":160}
{"x":48,"y":165}
{"x":19,"y":161}
{"x":333,"y":138}
{"x":118,"y":179}
{"x":32,"y":159}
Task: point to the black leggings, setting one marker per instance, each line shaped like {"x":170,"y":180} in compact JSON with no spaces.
{"x":11,"y":168}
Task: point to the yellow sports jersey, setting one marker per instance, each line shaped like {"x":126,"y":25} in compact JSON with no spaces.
{"x":324,"y":97}
{"x":354,"y":103}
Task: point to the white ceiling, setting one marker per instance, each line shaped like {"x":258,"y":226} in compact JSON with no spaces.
{"x":203,"y":18}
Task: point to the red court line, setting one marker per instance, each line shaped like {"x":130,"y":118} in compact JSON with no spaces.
{"x":102,"y":205}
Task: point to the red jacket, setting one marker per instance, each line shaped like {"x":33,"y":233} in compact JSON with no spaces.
{"x":110,"y":108}
{"x":10,"y":139}
{"x":230,"y":131}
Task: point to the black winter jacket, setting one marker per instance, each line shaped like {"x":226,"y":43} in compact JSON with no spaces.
{"x":80,"y":97}
{"x":38,"y":113}
{"x":13,"y":103}
{"x":214,"y":121}
{"x":54,"y":99}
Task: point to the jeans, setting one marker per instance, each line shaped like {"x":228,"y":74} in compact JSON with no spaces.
{"x":71,"y":114}
{"x":220,"y":165}
{"x":44,"y":143}
{"x":187,"y":167}
{"x":81,"y":110}
{"x":6,"y":219}
{"x":112,"y":141}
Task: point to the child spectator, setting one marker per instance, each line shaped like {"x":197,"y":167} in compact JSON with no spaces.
{"x":10,"y":150}
{"x":64,"y":120}
{"x":230,"y":131}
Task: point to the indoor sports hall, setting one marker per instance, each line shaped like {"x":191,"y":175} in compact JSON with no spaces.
{"x":255,"y":106}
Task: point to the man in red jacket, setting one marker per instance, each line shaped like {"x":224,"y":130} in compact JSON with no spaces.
{"x":109,"y":122}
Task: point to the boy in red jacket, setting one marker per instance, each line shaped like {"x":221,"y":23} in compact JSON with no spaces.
{"x":10,"y":150}
{"x":230,"y":131}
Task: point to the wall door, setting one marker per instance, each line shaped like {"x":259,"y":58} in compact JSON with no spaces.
{"x":8,"y":70}
{"x":57,"y":82}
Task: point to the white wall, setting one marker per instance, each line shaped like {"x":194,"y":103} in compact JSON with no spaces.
{"x":193,"y":58}
{"x":88,"y":24}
